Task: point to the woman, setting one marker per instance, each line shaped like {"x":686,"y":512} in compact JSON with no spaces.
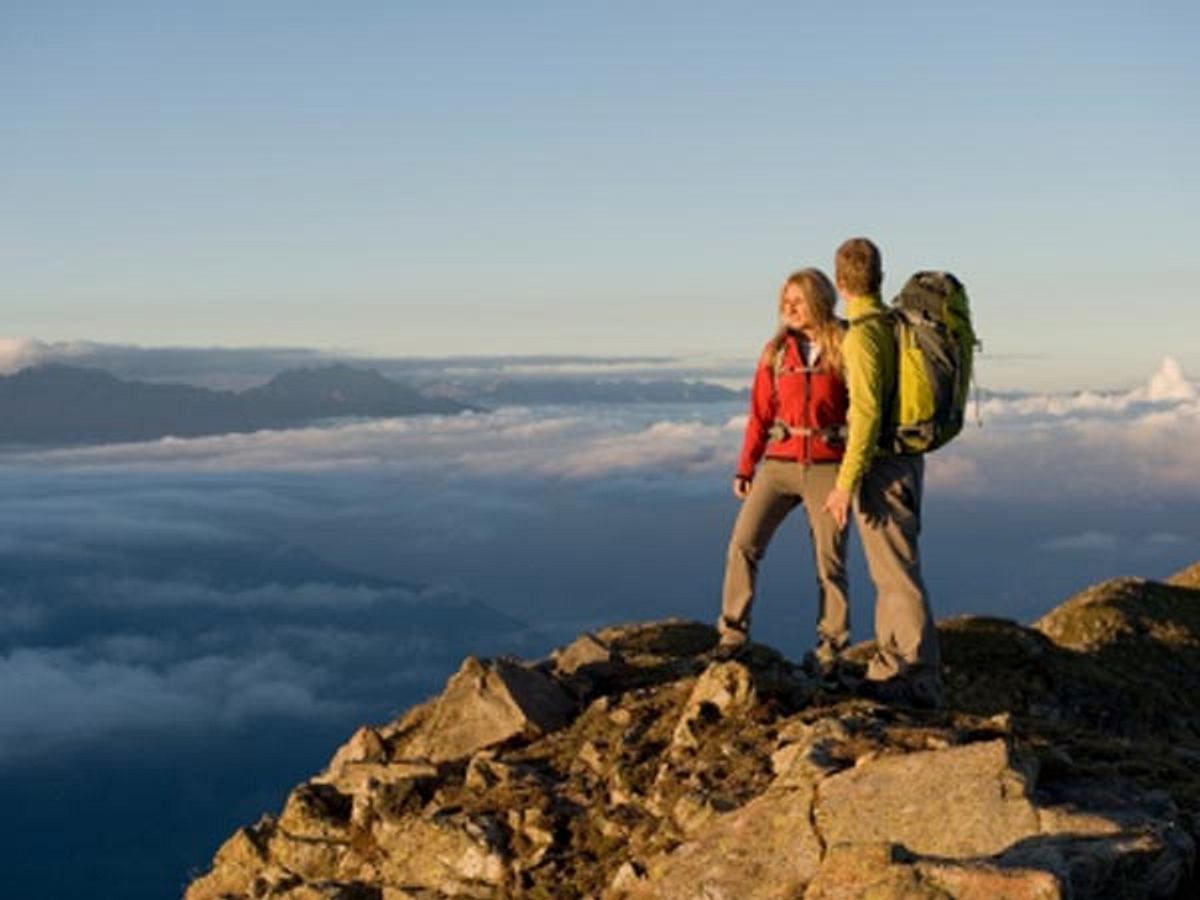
{"x":797,"y":421}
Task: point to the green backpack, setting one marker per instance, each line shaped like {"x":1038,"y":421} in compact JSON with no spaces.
{"x":935,"y":350}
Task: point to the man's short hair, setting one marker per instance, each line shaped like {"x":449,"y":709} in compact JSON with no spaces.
{"x":859,"y":267}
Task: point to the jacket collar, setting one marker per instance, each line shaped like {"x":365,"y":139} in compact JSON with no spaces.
{"x":862,"y":306}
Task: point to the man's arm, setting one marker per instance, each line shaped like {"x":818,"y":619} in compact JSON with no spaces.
{"x":863,"y":351}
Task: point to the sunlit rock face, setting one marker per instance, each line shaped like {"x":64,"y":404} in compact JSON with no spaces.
{"x":632,"y":764}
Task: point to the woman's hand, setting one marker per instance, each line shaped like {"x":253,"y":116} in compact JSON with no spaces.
{"x":741,"y":487}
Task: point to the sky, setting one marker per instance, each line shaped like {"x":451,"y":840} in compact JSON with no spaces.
{"x":609,"y":178}
{"x":215,"y":192}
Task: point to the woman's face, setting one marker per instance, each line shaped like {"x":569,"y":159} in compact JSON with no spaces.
{"x":796,"y":314}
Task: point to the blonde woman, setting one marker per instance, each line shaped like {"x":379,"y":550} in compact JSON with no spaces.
{"x":790,"y":456}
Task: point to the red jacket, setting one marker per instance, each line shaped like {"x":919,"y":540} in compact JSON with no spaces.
{"x":803,"y":398}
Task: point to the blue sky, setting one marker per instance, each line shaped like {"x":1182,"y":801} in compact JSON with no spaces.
{"x":596,"y":177}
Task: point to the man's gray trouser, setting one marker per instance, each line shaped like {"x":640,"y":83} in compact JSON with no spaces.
{"x":888,"y":515}
{"x":776,"y":490}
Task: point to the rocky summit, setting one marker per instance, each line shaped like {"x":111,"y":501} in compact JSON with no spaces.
{"x":632,"y":764}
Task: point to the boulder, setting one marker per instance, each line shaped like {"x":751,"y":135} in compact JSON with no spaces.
{"x":767,"y":848}
{"x":961,"y":802}
{"x":237,"y":864}
{"x":723,"y":689}
{"x":453,"y":853}
{"x":487,"y":703}
{"x":586,"y":652}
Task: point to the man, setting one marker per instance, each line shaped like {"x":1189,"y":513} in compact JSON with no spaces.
{"x":906,"y":664}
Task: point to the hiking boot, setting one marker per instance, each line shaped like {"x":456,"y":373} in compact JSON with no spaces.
{"x":821,"y":662}
{"x":726,"y":651}
{"x":733,"y":643}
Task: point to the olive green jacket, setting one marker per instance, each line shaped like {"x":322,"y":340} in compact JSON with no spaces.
{"x":869,"y":354}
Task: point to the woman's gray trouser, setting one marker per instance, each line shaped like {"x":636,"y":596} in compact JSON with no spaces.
{"x":776,"y":490}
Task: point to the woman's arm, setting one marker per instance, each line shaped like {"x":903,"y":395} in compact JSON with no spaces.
{"x":760,"y":419}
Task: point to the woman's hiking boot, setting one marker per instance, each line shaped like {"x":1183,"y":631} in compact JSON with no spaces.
{"x":823,"y":663}
{"x":732,"y":645}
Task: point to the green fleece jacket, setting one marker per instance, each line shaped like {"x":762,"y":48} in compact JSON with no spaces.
{"x":869,"y":351}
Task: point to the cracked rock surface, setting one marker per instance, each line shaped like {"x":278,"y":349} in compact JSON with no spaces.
{"x":631,"y":765}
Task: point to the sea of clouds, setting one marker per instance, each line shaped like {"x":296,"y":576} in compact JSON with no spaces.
{"x":204,"y":582}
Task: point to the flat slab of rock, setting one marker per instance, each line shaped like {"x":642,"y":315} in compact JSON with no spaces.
{"x":766,"y":848}
{"x":960,"y":802}
{"x":882,"y":872}
{"x":486,"y":703}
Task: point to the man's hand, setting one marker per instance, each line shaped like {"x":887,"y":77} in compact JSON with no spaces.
{"x":741,"y":487}
{"x":837,"y":504}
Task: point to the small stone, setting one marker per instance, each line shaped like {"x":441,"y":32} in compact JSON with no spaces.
{"x":629,"y":875}
{"x":589,"y":755}
{"x":620,"y":717}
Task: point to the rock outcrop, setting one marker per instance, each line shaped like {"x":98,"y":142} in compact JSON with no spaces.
{"x":632,"y":765}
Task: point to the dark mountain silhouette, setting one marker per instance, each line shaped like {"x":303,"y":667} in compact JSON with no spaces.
{"x":57,"y":404}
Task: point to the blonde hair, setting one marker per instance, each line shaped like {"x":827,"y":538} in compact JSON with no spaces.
{"x":819,"y":295}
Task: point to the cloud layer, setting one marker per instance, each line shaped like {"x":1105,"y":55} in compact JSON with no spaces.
{"x":1121,"y":443}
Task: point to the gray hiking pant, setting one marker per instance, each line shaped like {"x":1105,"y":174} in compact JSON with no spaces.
{"x":888,"y":516}
{"x":777,"y":488}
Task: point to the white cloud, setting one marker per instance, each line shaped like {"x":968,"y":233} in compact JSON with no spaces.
{"x":1169,"y":383}
{"x":1167,"y":539}
{"x":1135,"y":443}
{"x":21,"y":353}
{"x":1167,"y":387}
{"x":1040,"y":446}
{"x":508,"y":441}
{"x":1092,"y":541}
{"x":1087,"y":540}
{"x":133,"y":593}
{"x":81,"y":699}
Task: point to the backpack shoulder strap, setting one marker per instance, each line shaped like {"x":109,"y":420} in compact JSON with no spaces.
{"x":779,"y":357}
{"x":878,"y":314}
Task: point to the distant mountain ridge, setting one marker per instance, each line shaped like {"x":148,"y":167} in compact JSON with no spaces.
{"x":537,"y":390}
{"x":56,"y":404}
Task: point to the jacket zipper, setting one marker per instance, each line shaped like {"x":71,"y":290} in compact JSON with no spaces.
{"x":805,"y":420}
